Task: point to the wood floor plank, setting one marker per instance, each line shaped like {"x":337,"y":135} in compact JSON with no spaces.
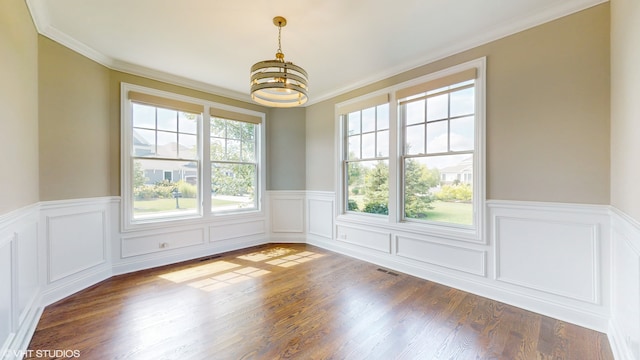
{"x":295,"y":301}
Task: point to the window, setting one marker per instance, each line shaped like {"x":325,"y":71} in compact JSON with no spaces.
{"x":187,"y":158}
{"x":438,"y":128}
{"x":234,"y":161}
{"x":366,"y":157}
{"x":165,"y":155}
{"x":414,"y":155}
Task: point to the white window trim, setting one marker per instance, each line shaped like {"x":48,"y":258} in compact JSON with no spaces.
{"x":394,"y":221}
{"x":204,"y":213}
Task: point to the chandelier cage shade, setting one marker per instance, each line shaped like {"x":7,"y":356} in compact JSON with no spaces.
{"x":279,"y":83}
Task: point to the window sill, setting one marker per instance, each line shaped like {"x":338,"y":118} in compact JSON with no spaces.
{"x":448,"y":231}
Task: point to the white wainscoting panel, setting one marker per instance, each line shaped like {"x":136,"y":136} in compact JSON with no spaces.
{"x":7,"y":292}
{"x":236,"y":230}
{"x":163,"y":241}
{"x":27,"y":274}
{"x":19,"y":280}
{"x":552,"y":256}
{"x":76,"y":242}
{"x":624,"y":332}
{"x":437,"y":253}
{"x":74,"y":245}
{"x":320,"y":215}
{"x":287,"y":212}
{"x":370,"y":239}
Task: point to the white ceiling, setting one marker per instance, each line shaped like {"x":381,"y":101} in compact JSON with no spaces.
{"x":343,"y":44}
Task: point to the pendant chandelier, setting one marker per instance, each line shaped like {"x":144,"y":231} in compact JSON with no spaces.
{"x":279,"y":83}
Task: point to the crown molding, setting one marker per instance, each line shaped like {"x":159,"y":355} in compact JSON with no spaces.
{"x":178,"y":80}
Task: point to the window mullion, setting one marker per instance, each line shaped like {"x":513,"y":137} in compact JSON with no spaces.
{"x":205,"y":178}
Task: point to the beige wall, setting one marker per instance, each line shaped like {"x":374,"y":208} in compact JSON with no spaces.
{"x":19,"y":104}
{"x":547,"y":112}
{"x":286,"y":149}
{"x":625,"y":106}
{"x":74,"y":124}
{"x":320,"y":158}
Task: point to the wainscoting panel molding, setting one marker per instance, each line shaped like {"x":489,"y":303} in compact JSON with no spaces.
{"x":624,"y":328}
{"x":76,"y":241}
{"x":446,"y":256}
{"x":556,"y":257}
{"x":165,"y":241}
{"x":361,"y":236}
{"x":287,"y":211}
{"x":27,"y":269}
{"x":7,"y":293}
{"x":320,"y":216}
{"x":20,"y":289}
{"x":236,"y":230}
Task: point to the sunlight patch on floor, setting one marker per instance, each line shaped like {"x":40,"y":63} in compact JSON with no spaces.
{"x":292,"y":260}
{"x":228,"y":278}
{"x":219,"y":274}
{"x":195,"y":272}
{"x":259,"y":256}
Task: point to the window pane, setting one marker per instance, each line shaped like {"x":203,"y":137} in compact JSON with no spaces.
{"x":415,"y":140}
{"x":462,"y":102}
{"x":383,"y":116}
{"x":439,"y":188}
{"x":233,"y":187}
{"x":144,"y":116}
{"x":167,"y":144}
{"x":155,"y":197}
{"x":167,"y":120}
{"x":218,"y":127}
{"x":248,"y":151}
{"x":233,"y":150}
{"x":369,"y":119}
{"x":234,"y":130}
{"x":462,"y":134}
{"x":368,"y":146}
{"x":414,"y":112}
{"x":217,"y":149}
{"x":368,"y":187}
{"x":438,"y":107}
{"x":437,"y":137}
{"x":188,"y":148}
{"x":354,"y":123}
{"x":188,"y":123}
{"x":383,"y":143}
{"x":248,"y":131}
{"x":354,"y":147}
{"x":144,"y":142}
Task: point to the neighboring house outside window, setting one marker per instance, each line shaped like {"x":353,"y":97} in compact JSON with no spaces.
{"x":187,"y":158}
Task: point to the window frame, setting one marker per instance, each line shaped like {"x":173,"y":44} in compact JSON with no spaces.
{"x":396,"y":219}
{"x":204,"y":212}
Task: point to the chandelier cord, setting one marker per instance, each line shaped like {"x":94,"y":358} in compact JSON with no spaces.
{"x":279,"y":38}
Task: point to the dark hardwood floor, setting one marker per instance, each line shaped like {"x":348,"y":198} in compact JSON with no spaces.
{"x":298,"y":302}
